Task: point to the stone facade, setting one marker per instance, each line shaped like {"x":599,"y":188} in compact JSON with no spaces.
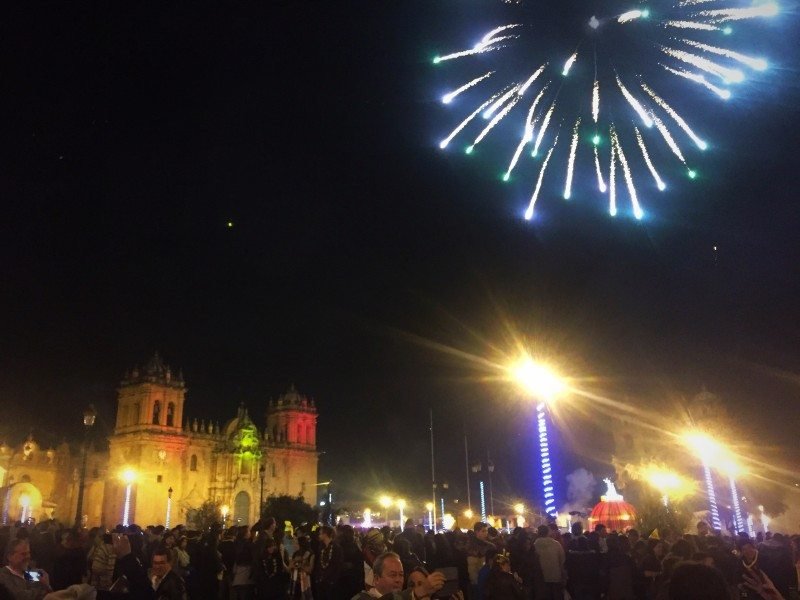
{"x":175,"y":465}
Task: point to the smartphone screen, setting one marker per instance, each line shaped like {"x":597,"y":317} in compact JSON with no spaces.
{"x":33,"y":575}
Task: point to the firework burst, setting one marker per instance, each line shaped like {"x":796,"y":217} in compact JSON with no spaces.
{"x":601,"y":93}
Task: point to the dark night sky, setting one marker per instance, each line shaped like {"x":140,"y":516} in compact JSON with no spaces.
{"x":131,"y":137}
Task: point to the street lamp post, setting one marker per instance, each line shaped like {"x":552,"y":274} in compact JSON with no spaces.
{"x":128,"y":476}
{"x":169,"y":507}
{"x":89,"y":416}
{"x":401,"y":504}
{"x":544,"y":385}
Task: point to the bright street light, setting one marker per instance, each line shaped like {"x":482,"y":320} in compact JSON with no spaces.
{"x":385,"y":501}
{"x":519,"y":508}
{"x":538,"y":379}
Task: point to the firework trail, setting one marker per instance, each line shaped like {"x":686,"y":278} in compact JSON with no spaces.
{"x":571,"y":162}
{"x":687,"y":42}
{"x":448,"y":98}
{"x":529,"y":211}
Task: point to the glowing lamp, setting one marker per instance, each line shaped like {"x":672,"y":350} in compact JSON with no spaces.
{"x":385,"y":501}
{"x":537,"y":379}
{"x":128,"y":476}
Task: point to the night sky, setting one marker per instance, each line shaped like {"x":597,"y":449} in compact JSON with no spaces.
{"x":131,"y":138}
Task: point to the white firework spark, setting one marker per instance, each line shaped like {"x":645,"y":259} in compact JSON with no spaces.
{"x":601,"y":185}
{"x":612,"y":182}
{"x":635,"y":104}
{"x":691,"y":25}
{"x":543,"y":128}
{"x":709,"y":66}
{"x":699,"y":142}
{"x":444,"y":143}
{"x":595,"y":101}
{"x":568,"y":65}
{"x":758,"y":64}
{"x":723,"y":93}
{"x":527,"y":136}
{"x":659,"y":182}
{"x":637,"y":210}
{"x":449,"y":96}
{"x":531,"y":79}
{"x":673,"y":145}
{"x":571,"y":161}
{"x":720,"y":15}
{"x":497,"y":118}
{"x":529,"y":211}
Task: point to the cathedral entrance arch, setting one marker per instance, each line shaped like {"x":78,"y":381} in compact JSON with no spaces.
{"x":241,"y":509}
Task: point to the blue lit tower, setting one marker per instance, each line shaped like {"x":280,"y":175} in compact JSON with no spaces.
{"x":548,"y":489}
{"x":544,"y":386}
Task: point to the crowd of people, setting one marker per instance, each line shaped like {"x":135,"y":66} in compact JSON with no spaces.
{"x":264,"y":562}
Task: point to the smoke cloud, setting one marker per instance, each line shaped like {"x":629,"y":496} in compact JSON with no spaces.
{"x":581,"y":486}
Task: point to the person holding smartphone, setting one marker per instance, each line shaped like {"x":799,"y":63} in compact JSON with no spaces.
{"x":21,"y":582}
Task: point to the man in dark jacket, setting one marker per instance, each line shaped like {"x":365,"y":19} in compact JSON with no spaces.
{"x":415,"y":539}
{"x":167,"y":583}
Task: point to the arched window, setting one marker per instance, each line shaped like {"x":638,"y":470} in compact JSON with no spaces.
{"x":193,"y":463}
{"x":134,"y":413}
{"x":171,"y":414}
{"x":274,"y":433}
{"x":299,"y":439}
{"x":157,"y":413}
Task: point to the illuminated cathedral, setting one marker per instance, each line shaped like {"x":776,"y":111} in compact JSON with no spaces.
{"x":160,"y":467}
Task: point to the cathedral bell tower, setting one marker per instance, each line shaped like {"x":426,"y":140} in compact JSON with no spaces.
{"x":150,"y":399}
{"x":291,"y":445}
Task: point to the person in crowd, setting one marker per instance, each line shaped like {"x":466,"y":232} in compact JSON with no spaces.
{"x":372,"y":547}
{"x":208,"y":567}
{"x":389,"y":580}
{"x":483,"y":575}
{"x":551,"y":562}
{"x":181,"y":564}
{"x":415,"y":539}
{"x":329,"y":564}
{"x":403,"y":549}
{"x":775,"y":558}
{"x":302,"y":567}
{"x":16,"y":579}
{"x":69,"y":565}
{"x":477,"y":548}
{"x":243,"y":580}
{"x":501,"y":583}
{"x":167,"y":584}
{"x":620,"y":568}
{"x":351,"y":575}
{"x":583,"y":570}
{"x":696,"y":581}
{"x":274,"y":579}
{"x":101,"y":562}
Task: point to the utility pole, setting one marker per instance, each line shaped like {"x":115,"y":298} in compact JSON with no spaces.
{"x":433,"y":474}
{"x":466,"y":465}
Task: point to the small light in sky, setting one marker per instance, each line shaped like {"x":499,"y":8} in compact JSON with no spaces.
{"x":230,"y":224}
